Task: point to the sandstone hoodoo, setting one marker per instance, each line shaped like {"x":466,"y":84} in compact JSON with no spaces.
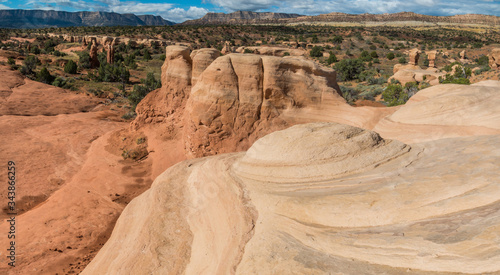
{"x":239,"y":97}
{"x":94,"y":61}
{"x":228,"y":102}
{"x":414,"y":56}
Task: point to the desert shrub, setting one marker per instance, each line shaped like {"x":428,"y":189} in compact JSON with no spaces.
{"x":482,"y":60}
{"x":402,"y":60}
{"x":368,"y":92}
{"x":11,"y":61}
{"x":377,"y":81}
{"x":247,"y":51}
{"x":390,"y":56}
{"x":337,"y":39}
{"x":482,"y":70}
{"x":286,"y":54}
{"x":365,"y":56}
{"x":58,"y":53}
{"x":452,"y":79}
{"x":70,"y":67}
{"x":84,"y":60}
{"x":65,"y":83}
{"x":394,"y":95}
{"x":44,"y":76}
{"x":129,"y":61}
{"x":376,"y":61}
{"x":146,"y":55}
{"x":349,"y":69}
{"x":374,"y":54}
{"x":349,"y":94}
{"x":366,"y":74}
{"x":112,"y":73}
{"x":29,"y":65}
{"x":162,"y":57}
{"x":332,"y":59}
{"x":316,"y":51}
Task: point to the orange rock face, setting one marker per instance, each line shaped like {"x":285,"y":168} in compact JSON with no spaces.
{"x":226,"y":104}
{"x":495,"y":58}
{"x":239,"y":98}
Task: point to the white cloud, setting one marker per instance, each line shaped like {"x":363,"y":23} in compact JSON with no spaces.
{"x":4,"y":7}
{"x":313,"y":7}
{"x":139,"y":8}
{"x":179,"y":15}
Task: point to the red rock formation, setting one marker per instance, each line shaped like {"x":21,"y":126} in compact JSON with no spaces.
{"x":168,"y":102}
{"x":239,"y":98}
{"x":414,"y":55}
{"x":494,"y":61}
{"x":431,"y":56}
{"x":94,"y":61}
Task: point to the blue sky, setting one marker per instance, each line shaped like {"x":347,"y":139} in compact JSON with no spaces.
{"x":181,"y":10}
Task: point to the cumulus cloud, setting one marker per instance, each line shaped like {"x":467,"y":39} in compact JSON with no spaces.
{"x":139,"y":8}
{"x":313,"y":7}
{"x":179,"y":15}
{"x":58,"y":4}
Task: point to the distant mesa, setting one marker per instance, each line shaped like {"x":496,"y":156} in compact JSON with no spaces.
{"x":29,"y":19}
{"x":245,"y":17}
{"x":240,"y":17}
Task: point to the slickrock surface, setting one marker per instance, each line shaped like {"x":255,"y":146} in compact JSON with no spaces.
{"x":315,"y":199}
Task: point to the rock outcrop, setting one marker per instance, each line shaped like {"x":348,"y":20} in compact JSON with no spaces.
{"x":239,"y":97}
{"x":413,"y":73}
{"x":228,"y":102}
{"x":94,"y":61}
{"x":169,"y":101}
{"x":494,"y":58}
{"x":414,"y":55}
{"x":202,"y":58}
{"x":431,"y":56}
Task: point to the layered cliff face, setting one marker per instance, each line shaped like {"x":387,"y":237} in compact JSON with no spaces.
{"x":262,"y":18}
{"x":225,"y":103}
{"x":46,"y":19}
{"x":240,"y":17}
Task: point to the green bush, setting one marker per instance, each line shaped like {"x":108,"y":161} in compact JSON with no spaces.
{"x":402,"y":60}
{"x":349,"y":69}
{"x":332,"y":59}
{"x":29,"y":65}
{"x":482,"y":60}
{"x":84,"y":60}
{"x":11,"y":61}
{"x":316,"y":51}
{"x":365,"y":56}
{"x":395,"y":95}
{"x":374,"y":54}
{"x":390,"y":56}
{"x":44,"y":76}
{"x":70,"y":67}
{"x":146,"y":56}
